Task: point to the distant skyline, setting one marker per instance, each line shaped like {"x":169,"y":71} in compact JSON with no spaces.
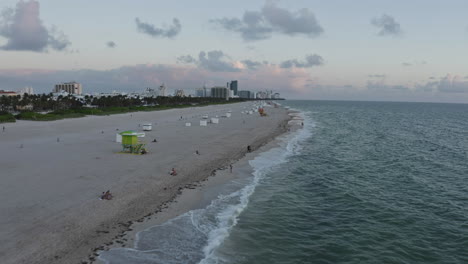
{"x":304,"y":49}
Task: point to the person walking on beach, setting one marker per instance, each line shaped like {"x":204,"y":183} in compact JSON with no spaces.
{"x":230,"y":167}
{"x":3,"y":128}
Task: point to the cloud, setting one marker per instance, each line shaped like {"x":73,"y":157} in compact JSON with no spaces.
{"x":414,"y":63}
{"x":24,"y":30}
{"x":259,"y":25}
{"x":111,"y":44}
{"x":376,"y":75}
{"x":165,"y":32}
{"x":253,"y":65}
{"x":452,"y":84}
{"x":186,"y":59}
{"x":387,"y":26}
{"x":310,"y":61}
{"x":380,"y":85}
{"x":215,"y":61}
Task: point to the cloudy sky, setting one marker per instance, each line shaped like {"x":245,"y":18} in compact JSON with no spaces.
{"x":305,"y":49}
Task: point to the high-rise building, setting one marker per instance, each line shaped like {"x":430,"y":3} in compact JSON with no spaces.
{"x":71,"y":88}
{"x":162,"y":90}
{"x":26,"y":90}
{"x":220,"y":92}
{"x":179,"y":93}
{"x":244,"y":94}
{"x":233,"y":87}
{"x":200,"y":92}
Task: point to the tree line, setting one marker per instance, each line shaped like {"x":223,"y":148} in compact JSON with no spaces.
{"x":47,"y":102}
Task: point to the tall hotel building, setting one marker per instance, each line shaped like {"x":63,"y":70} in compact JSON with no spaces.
{"x":71,"y":88}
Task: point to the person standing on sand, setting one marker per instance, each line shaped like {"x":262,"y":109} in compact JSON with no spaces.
{"x":3,"y":128}
{"x":230,"y":167}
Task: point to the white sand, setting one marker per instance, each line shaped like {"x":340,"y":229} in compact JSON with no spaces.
{"x":49,"y":190}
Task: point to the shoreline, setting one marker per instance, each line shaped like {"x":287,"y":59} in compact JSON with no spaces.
{"x":192,"y":197}
{"x":73,"y":224}
{"x":189,"y":197}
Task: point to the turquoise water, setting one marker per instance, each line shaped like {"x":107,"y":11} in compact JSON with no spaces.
{"x":363,"y":182}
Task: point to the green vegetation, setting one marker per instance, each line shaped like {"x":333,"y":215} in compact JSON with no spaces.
{"x":6,"y":117}
{"x":56,"y":115}
{"x":61,"y":107}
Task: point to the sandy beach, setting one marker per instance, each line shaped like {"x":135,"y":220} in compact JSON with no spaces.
{"x":52,"y":174}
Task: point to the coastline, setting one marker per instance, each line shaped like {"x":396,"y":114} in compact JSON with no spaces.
{"x":137,"y":199}
{"x":196,"y":196}
{"x":192,"y":197}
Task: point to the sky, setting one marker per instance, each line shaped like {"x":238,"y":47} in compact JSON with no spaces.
{"x":305,"y":49}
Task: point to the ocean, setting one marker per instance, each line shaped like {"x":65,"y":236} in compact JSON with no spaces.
{"x":362,"y":182}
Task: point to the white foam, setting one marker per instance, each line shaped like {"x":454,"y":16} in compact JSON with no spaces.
{"x":262,"y":164}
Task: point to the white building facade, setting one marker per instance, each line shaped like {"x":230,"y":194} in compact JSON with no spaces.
{"x":71,"y":88}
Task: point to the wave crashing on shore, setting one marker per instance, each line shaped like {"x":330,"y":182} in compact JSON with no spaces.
{"x":195,"y":236}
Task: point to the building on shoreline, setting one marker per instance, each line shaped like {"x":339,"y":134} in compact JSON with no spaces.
{"x":26,"y":90}
{"x":220,"y":92}
{"x":179,"y":93}
{"x":162,"y":90}
{"x":244,"y":94}
{"x":7,"y":93}
{"x":71,"y":88}
{"x":233,"y":87}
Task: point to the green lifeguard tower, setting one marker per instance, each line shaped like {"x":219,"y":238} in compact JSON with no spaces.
{"x":130,"y":143}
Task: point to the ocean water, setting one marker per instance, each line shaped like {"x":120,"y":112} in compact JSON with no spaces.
{"x":363,"y":182}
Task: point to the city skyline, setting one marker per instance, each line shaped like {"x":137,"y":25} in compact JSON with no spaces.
{"x":365,"y":50}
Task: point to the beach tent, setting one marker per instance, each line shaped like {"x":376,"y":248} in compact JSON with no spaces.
{"x":147,"y":127}
{"x":214,"y":120}
{"x":203,"y":123}
{"x":188,"y":124}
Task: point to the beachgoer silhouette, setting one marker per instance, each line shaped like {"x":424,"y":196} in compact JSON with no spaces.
{"x":249,"y":149}
{"x":173,"y":172}
{"x":230,"y":167}
{"x":196,"y":152}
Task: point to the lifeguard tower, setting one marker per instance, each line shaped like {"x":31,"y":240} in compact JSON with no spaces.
{"x":131,"y":144}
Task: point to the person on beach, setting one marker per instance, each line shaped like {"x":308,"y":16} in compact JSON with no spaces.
{"x":173,"y":172}
{"x":230,"y":167}
{"x":196,"y":152}
{"x":106,"y":195}
{"x":249,"y":149}
{"x":3,"y":128}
